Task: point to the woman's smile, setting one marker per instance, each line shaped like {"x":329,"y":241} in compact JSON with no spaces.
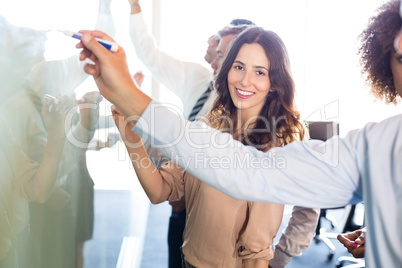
{"x":243,"y":94}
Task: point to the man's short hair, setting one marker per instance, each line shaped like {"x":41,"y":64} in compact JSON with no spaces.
{"x":228,"y":30}
{"x":237,"y":22}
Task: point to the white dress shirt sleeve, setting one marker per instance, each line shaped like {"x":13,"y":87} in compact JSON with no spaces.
{"x":105,"y":23}
{"x":311,"y":173}
{"x":188,"y":80}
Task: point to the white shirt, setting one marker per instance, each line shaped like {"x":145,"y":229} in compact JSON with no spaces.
{"x":188,"y":80}
{"x":365,"y":165}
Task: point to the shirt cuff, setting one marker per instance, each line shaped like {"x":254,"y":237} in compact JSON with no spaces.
{"x":280,"y":260}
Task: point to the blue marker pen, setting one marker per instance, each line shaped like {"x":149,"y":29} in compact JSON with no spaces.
{"x":107,"y":44}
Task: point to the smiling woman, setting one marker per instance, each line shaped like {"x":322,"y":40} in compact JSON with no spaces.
{"x":248,"y":79}
{"x":256,"y":92}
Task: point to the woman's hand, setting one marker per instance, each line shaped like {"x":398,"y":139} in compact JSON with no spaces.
{"x":135,"y":6}
{"x":112,"y":75}
{"x":130,"y":138}
{"x":109,"y":69}
{"x":354,"y":242}
{"x":139,"y":78}
{"x":89,"y":109}
{"x":54,"y":116}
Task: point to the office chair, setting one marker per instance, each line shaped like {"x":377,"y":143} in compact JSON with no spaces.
{"x":323,"y":130}
{"x":346,"y":224}
{"x":353,"y":262}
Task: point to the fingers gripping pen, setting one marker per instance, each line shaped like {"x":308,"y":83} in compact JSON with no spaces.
{"x":107,"y":44}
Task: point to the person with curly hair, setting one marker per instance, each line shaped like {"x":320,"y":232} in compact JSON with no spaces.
{"x":382,"y":69}
{"x":378,"y":57}
{"x":255,"y":105}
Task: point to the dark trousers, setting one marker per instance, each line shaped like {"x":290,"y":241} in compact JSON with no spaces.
{"x":177,"y":222}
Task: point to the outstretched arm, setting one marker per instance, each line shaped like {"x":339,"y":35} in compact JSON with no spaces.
{"x":41,"y":186}
{"x":151,"y":180}
{"x":185,"y":79}
{"x":105,"y":20}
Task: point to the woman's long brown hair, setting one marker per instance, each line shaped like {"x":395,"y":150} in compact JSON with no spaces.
{"x":279,"y":121}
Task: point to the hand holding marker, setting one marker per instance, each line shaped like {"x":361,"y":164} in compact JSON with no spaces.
{"x":107,"y":44}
